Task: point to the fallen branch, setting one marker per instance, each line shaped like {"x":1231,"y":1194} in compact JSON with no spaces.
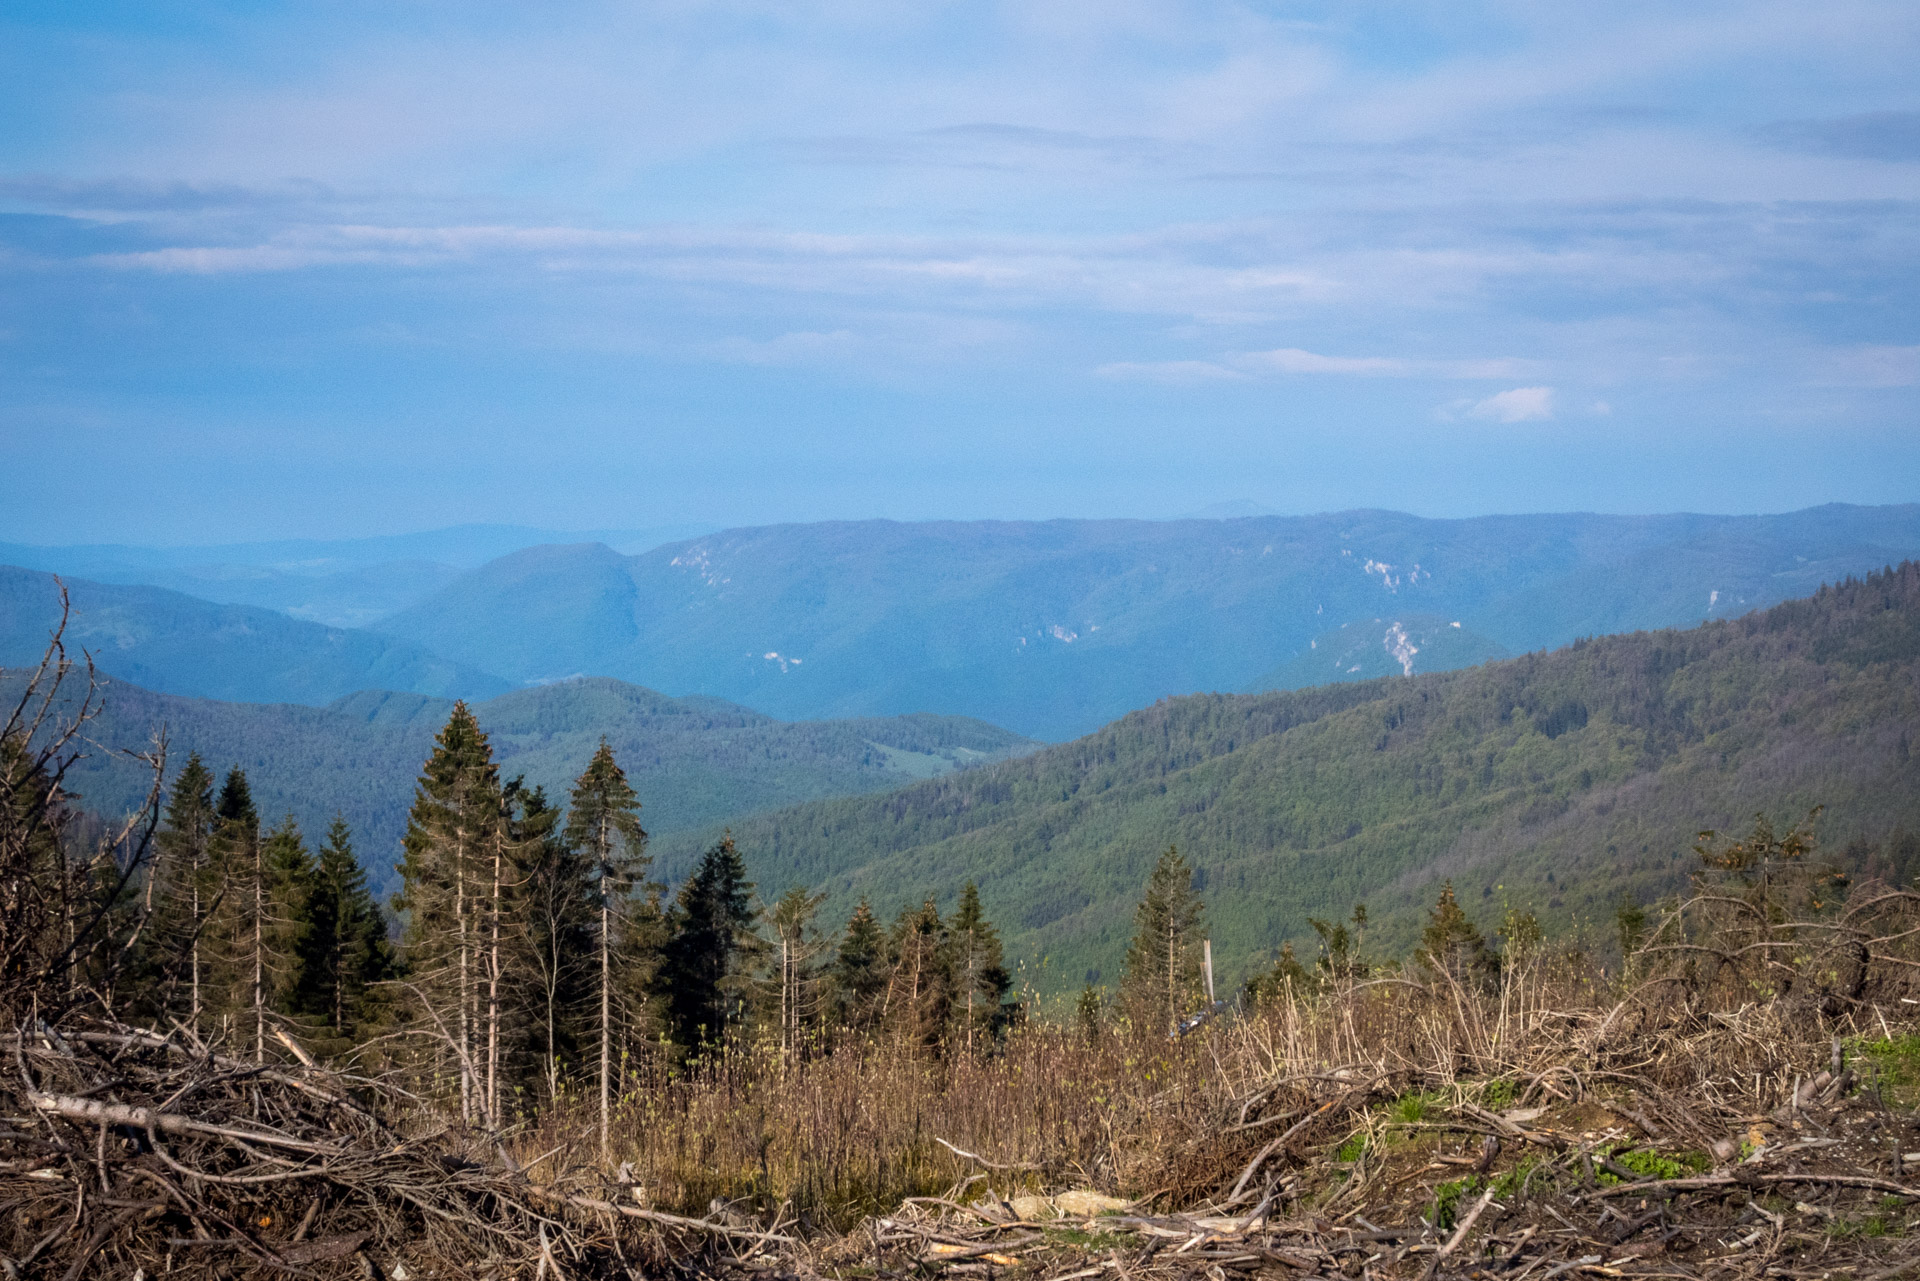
{"x":991,"y":1165}
{"x":94,"y":1112}
{"x":1699,"y":1182}
{"x":1459,"y":1233}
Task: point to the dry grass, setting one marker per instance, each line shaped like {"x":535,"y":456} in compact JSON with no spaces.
{"x":854,"y":1132}
{"x":1391,"y":1128}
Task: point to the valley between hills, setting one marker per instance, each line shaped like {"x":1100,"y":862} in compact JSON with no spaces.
{"x":1564,"y":782}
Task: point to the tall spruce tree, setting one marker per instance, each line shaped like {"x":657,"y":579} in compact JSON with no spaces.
{"x":1163,"y":961}
{"x":286,"y":911}
{"x":172,"y":949}
{"x":449,"y":852}
{"x":859,"y":974}
{"x":603,"y":822}
{"x":711,"y":948}
{"x":346,"y":945}
{"x":235,"y":892}
{"x":980,"y":977}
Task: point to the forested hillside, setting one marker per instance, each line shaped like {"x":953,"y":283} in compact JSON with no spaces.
{"x":180,"y":644}
{"x":1055,"y":628}
{"x":696,"y":761}
{"x":1563,"y":782}
{"x":342,"y":582}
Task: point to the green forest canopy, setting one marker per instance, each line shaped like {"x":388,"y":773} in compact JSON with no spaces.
{"x":1563,"y":782}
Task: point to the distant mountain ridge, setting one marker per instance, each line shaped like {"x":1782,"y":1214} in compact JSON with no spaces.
{"x":695,"y":762}
{"x":1562,"y":782}
{"x":179,"y":644}
{"x":346,"y":582}
{"x":1054,"y":628}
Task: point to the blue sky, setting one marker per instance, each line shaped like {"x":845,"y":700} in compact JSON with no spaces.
{"x":327,"y":270}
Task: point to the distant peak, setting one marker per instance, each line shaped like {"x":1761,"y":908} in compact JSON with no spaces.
{"x":1233,"y":509}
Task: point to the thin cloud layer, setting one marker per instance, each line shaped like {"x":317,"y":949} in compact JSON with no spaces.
{"x":1515,"y":405}
{"x":811,"y":231}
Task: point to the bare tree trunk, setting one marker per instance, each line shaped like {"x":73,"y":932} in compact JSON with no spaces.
{"x":971,"y":984}
{"x":606,"y":1021}
{"x":259,"y":960}
{"x":493,"y":991}
{"x":605,"y":853}
{"x":194,"y":956}
{"x":339,"y":981}
{"x":553,"y":1056}
{"x":1173,"y":969}
{"x":465,"y":1064}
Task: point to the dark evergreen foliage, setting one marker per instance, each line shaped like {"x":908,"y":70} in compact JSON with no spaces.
{"x":710,"y":948}
{"x":1452,"y":944}
{"x":1163,"y":981}
{"x":860,"y":970}
{"x":980,"y":979}
{"x":346,"y":948}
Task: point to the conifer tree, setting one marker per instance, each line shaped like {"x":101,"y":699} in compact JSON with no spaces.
{"x":449,"y":850}
{"x":235,"y":892}
{"x":1340,"y":943}
{"x":559,"y":947}
{"x":711,"y":948}
{"x":859,"y":973}
{"x":524,"y":825}
{"x":794,"y":965}
{"x":1285,"y":978}
{"x":172,"y":952}
{"x":1451,"y":944}
{"x":1163,"y":961}
{"x":346,"y":945}
{"x":603,"y":823}
{"x":980,"y":977}
{"x":1088,"y":1013}
{"x":286,"y":919}
{"x":919,"y":1001}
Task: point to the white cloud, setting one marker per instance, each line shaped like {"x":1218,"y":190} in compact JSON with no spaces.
{"x":1517,"y":405}
{"x":1293,"y":360}
{"x":1874,"y":367}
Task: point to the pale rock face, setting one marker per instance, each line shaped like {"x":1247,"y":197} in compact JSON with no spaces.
{"x":1401,"y":647}
{"x":698,"y":560}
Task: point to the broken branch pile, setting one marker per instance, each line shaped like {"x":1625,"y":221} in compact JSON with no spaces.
{"x":123,"y":1150}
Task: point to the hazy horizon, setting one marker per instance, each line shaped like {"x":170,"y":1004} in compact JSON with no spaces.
{"x":588,"y":534}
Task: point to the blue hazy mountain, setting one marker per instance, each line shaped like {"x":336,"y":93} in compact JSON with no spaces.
{"x":341,"y":582}
{"x":179,"y":644}
{"x":1055,"y":628}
